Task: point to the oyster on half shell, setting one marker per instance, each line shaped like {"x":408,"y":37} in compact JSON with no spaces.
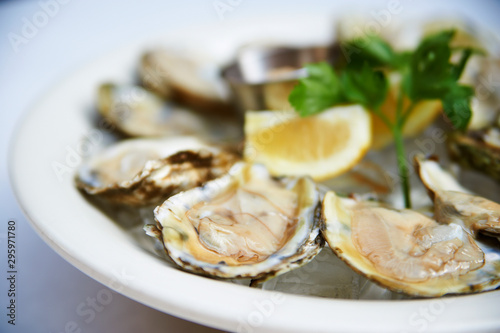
{"x":142,"y":172}
{"x":138,"y":112}
{"x":455,"y":204}
{"x":185,"y":78}
{"x":245,"y":224}
{"x":406,"y":251}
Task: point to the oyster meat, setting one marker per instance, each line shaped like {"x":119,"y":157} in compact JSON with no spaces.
{"x":406,"y":251}
{"x":245,"y":224}
{"x":137,"y":112}
{"x":142,"y":172}
{"x":455,"y":204}
{"x":189,"y":80}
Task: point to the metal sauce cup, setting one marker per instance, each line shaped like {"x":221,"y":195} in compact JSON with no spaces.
{"x":262,"y":77}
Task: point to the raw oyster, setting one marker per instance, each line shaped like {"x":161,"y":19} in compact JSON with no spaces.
{"x":478,"y":150}
{"x":455,"y":204}
{"x":138,"y":112}
{"x":243,"y":225}
{"x":185,"y":79}
{"x":143,"y":172}
{"x":406,"y":251}
{"x":480,"y":73}
{"x":484,"y":112}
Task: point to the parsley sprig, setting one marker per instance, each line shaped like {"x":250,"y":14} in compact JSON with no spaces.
{"x":427,"y":73}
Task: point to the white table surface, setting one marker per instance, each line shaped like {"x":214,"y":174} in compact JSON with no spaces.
{"x":49,"y":289}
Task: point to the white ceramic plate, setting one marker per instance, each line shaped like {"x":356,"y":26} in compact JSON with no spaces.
{"x":53,"y":133}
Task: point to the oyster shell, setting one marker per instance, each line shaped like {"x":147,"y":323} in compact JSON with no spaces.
{"x":143,"y":172}
{"x":185,"y":79}
{"x":406,"y":251}
{"x":137,"y":112}
{"x":480,"y":73}
{"x":455,"y":204}
{"x":477,"y":150}
{"x":243,"y":225}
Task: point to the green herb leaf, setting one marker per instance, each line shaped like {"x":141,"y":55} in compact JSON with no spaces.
{"x":401,"y":60}
{"x":431,"y":75}
{"x":430,"y":72}
{"x":366,"y":86}
{"x":456,"y":106}
{"x":371,"y":49}
{"x":320,"y":90}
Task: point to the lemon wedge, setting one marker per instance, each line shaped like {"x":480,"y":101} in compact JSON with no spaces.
{"x":423,"y":114}
{"x":322,"y":145}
